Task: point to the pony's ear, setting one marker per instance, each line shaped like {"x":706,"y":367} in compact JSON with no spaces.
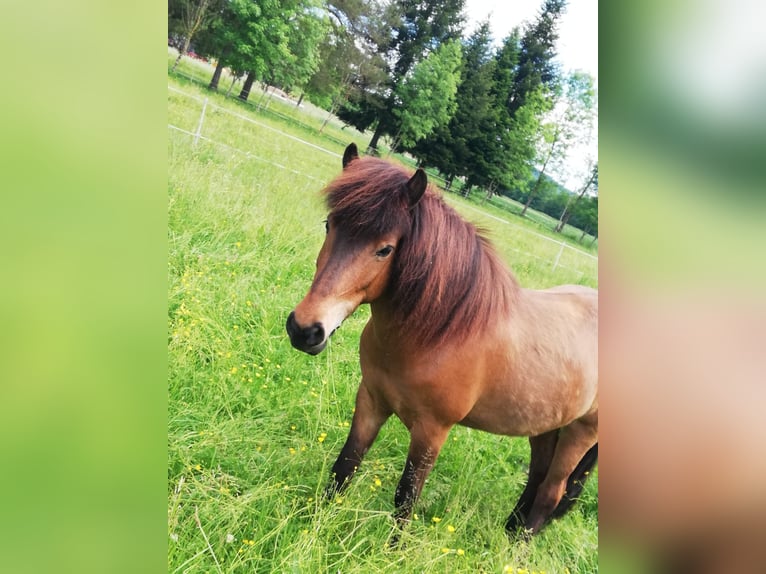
{"x":350,"y":154}
{"x":416,"y":187}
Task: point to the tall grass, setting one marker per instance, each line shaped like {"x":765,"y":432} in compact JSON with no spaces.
{"x":254,"y":426}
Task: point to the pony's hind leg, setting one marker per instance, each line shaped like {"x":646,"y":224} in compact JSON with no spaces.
{"x":369,"y":416}
{"x":576,"y":482}
{"x":575,"y":440}
{"x":542,"y":446}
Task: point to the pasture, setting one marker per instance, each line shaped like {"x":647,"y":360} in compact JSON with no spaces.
{"x":254,"y":426}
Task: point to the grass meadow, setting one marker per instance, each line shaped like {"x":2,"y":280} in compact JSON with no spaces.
{"x":254,"y":426}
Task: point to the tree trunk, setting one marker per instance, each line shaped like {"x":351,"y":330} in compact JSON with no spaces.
{"x":592,"y":241}
{"x":490,"y":192}
{"x":583,"y":235}
{"x":570,"y":205}
{"x":248,"y":85}
{"x":298,"y":105}
{"x":372,"y":148}
{"x":216,"y":75}
{"x":449,"y":182}
{"x":181,"y":52}
{"x":271,"y":96}
{"x":265,"y":89}
{"x":563,"y":221}
{"x":532,"y":194}
{"x":233,"y":81}
{"x":329,"y":115}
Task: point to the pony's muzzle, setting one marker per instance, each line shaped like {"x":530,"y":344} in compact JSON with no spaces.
{"x":309,"y":339}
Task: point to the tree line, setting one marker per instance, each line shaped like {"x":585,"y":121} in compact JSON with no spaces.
{"x":499,"y":116}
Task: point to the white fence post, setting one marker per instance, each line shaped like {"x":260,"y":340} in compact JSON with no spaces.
{"x":199,"y":125}
{"x":556,"y":263}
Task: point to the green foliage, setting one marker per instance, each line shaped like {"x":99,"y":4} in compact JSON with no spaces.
{"x":570,"y":121}
{"x":536,"y":66}
{"x":459,"y":148}
{"x":427,"y":96}
{"x":520,"y":140}
{"x":414,"y":29}
{"x":272,"y":40}
{"x":585,"y":215}
{"x":346,"y":55}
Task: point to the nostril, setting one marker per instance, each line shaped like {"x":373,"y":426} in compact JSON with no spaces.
{"x":314,"y":334}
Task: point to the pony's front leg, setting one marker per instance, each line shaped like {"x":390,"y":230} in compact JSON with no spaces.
{"x":369,"y":416}
{"x":426,"y":441}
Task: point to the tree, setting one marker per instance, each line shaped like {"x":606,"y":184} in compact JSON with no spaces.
{"x":459,"y":147}
{"x":347,"y":55}
{"x":285,"y":47}
{"x":590,"y":184}
{"x":487,"y":160}
{"x":525,"y":77}
{"x":307,"y":29}
{"x":571,"y":119}
{"x":585,"y":216}
{"x":415,"y":29}
{"x":519,"y":141}
{"x":258,"y":37}
{"x":191,"y":16}
{"x":427,"y":96}
{"x":536,"y":65}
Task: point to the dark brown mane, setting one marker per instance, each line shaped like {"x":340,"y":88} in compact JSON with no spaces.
{"x":447,"y":280}
{"x":369,"y":198}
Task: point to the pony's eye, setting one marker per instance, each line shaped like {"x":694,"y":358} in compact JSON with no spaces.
{"x":327,"y":226}
{"x":385,"y":252}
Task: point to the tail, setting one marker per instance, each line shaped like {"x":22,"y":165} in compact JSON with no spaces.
{"x":576,"y":482}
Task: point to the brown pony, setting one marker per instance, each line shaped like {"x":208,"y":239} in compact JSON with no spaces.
{"x":453,"y":339}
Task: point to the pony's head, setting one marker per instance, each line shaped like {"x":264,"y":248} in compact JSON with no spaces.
{"x":370,"y":213}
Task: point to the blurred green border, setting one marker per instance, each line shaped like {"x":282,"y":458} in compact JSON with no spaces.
{"x":83,"y":300}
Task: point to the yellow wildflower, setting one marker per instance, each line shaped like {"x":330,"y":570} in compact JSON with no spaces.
{"x":460,"y":552}
{"x":450,"y":528}
{"x":436,"y":519}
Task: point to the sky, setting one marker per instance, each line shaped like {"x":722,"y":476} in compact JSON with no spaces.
{"x":577,"y":49}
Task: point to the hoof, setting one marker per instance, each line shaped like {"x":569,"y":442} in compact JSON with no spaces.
{"x":514,"y":523}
